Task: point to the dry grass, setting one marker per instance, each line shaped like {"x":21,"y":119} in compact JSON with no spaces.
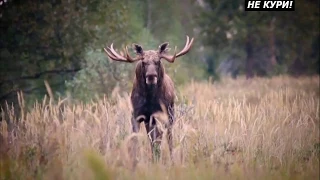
{"x":259,"y":129}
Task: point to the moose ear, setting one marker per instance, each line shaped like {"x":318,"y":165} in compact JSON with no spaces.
{"x":138,"y":49}
{"x":163,"y":47}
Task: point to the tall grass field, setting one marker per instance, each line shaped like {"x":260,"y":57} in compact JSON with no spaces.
{"x":233,"y":129}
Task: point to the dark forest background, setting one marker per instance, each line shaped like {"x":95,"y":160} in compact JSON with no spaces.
{"x":62,"y":42}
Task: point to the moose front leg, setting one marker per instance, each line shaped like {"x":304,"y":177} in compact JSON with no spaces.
{"x":169,"y":130}
{"x":135,"y":129}
{"x":170,"y":143}
{"x":135,"y":122}
{"x":155,"y":137}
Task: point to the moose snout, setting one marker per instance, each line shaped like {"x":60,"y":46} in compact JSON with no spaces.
{"x":151,"y":78}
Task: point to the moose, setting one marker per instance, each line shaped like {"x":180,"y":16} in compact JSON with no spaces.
{"x":153,"y":89}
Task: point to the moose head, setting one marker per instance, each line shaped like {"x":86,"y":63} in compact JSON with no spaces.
{"x":149,"y":69}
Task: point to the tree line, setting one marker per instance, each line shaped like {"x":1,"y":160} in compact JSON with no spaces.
{"x":62,"y":42}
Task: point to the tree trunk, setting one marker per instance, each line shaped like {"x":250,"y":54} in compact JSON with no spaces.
{"x":250,"y":60}
{"x":272,"y":46}
{"x":149,"y":14}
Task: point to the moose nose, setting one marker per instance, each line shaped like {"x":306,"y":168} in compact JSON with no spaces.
{"x":151,"y":77}
{"x":151,"y":74}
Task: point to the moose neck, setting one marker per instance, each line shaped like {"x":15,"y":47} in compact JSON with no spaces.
{"x":152,"y":91}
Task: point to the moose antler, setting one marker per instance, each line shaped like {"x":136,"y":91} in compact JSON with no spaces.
{"x":184,"y":51}
{"x":112,"y":54}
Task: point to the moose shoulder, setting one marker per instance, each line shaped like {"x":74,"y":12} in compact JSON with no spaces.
{"x":153,"y":89}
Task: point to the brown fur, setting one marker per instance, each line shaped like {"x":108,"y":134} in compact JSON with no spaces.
{"x":147,"y":100}
{"x":153,"y":91}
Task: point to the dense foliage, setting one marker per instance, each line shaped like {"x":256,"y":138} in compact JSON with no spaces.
{"x":262,"y":43}
{"x":61,"y":42}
